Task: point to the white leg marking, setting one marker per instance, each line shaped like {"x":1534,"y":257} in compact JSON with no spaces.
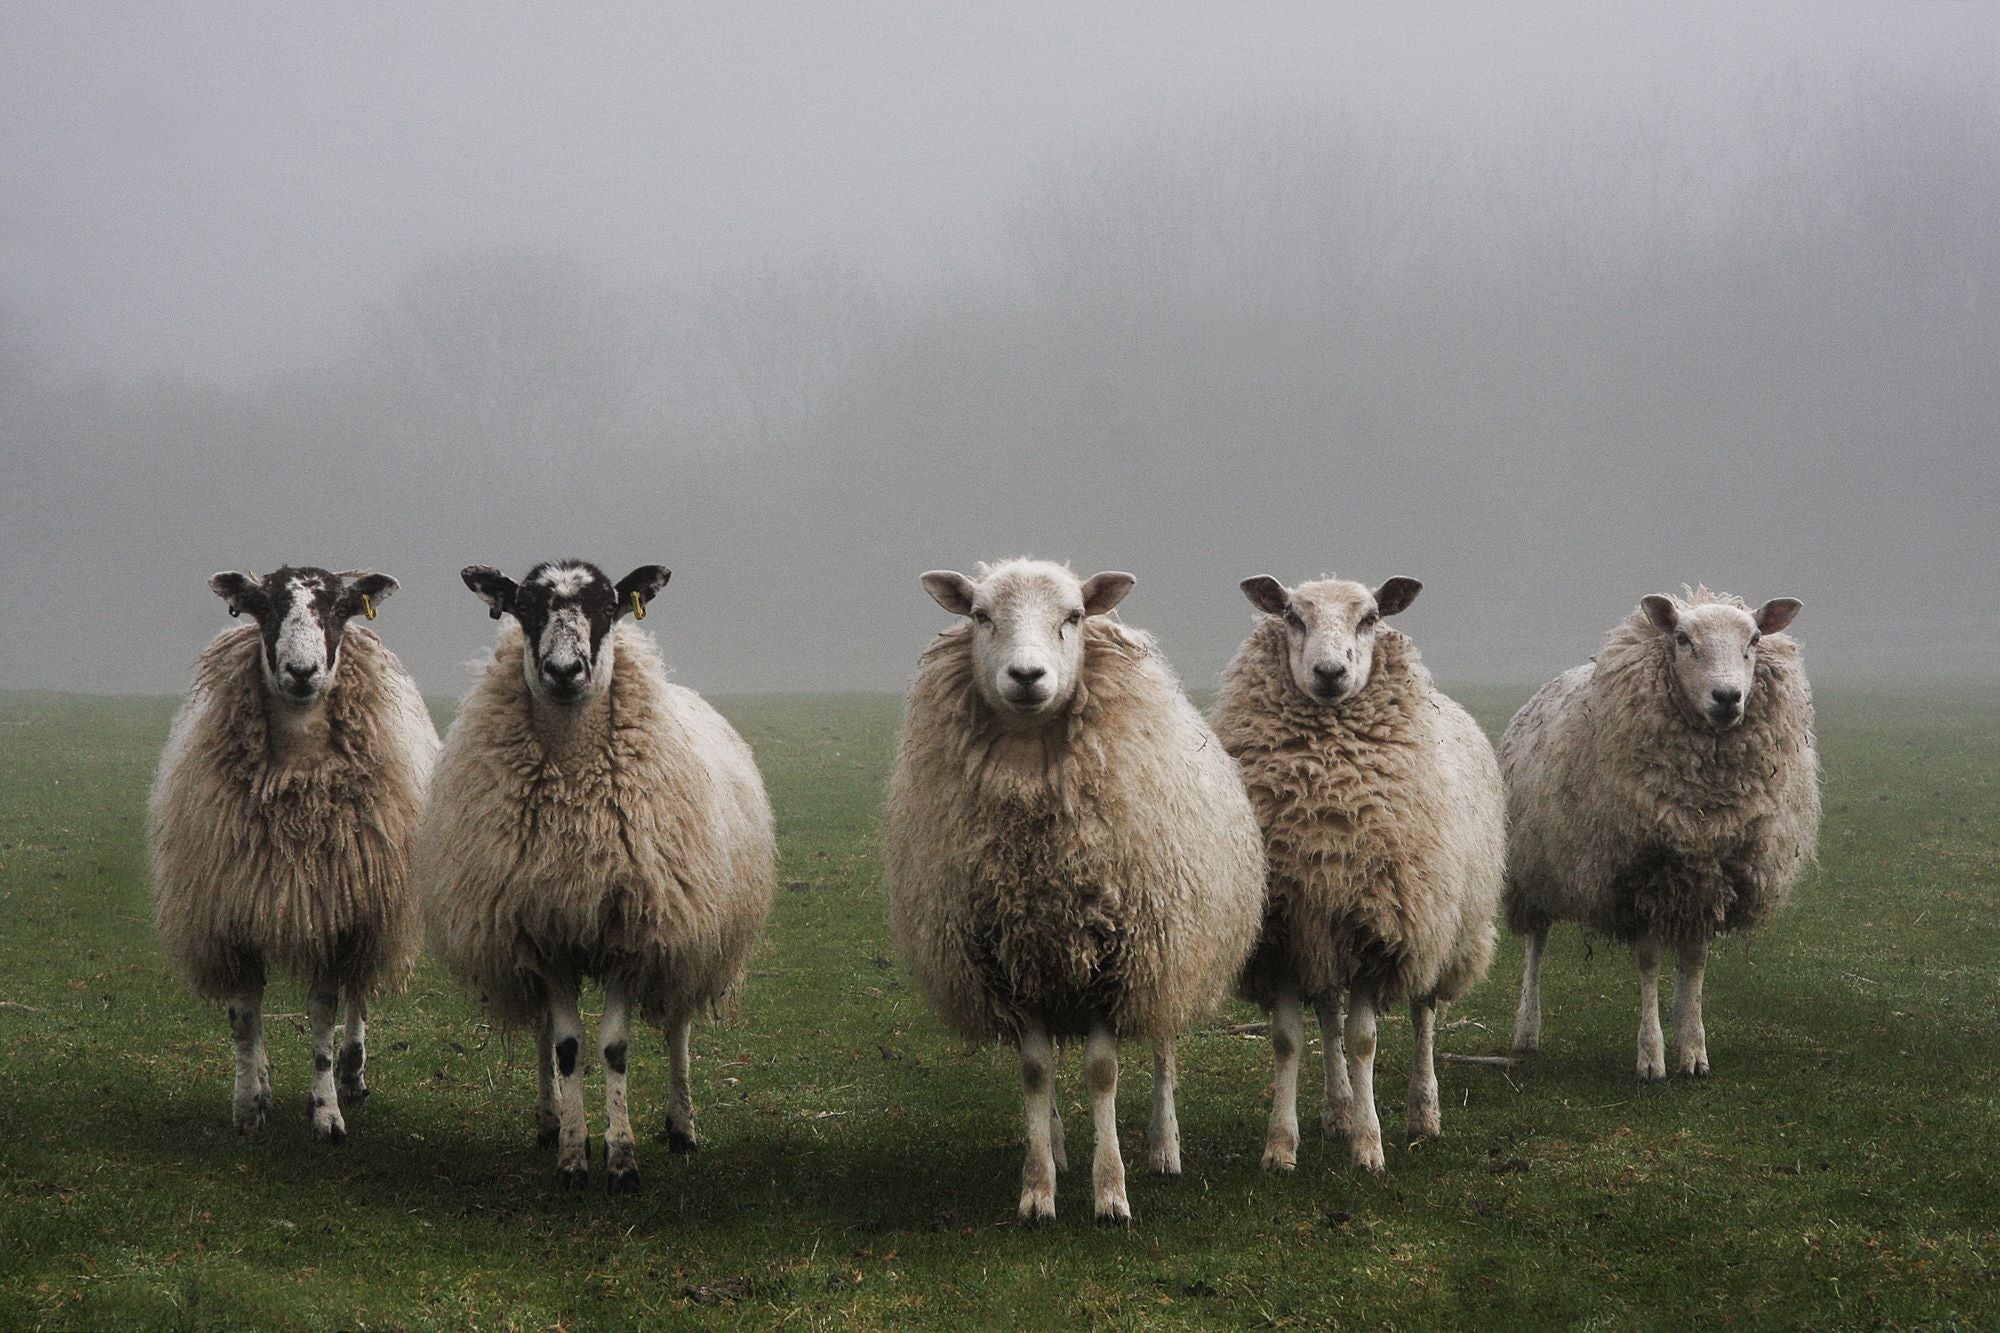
{"x":1652,"y":1054}
{"x":680,"y":1096}
{"x":1425,"y":1122}
{"x":573,"y":1139}
{"x":323,"y":1014}
{"x":1164,"y":1135}
{"x":1528,"y":1017}
{"x":1107,"y":1165}
{"x":251,"y":1099}
{"x":1288,"y":1035}
{"x":1365,"y":1138}
{"x":621,"y":1152}
{"x":353,"y":1066}
{"x":548,"y":1119}
{"x":1336,"y":1108}
{"x":1690,"y":1037}
{"x":1038,"y":1167}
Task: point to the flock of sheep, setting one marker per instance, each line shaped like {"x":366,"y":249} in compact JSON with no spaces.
{"x":1073,"y":852}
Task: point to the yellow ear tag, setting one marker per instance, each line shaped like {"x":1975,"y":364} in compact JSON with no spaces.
{"x":367,"y":607}
{"x":638,"y":607}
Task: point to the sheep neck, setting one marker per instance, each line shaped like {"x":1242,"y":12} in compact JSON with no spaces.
{"x":299,"y":734}
{"x":564,"y":730}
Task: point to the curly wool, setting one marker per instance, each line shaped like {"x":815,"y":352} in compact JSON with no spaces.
{"x":1634,"y":819}
{"x":305,"y":866}
{"x":1382,"y":824}
{"x":639,"y":851}
{"x":1108,"y":868}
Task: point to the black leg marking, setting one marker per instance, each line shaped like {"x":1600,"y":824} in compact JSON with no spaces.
{"x":548,"y":1136}
{"x":321,"y":1062}
{"x":679,"y":1140}
{"x":566,"y":1056}
{"x":614,"y":1057}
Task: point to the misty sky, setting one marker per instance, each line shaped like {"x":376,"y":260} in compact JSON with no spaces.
{"x":1548,"y":305}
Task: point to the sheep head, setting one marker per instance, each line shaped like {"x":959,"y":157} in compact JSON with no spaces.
{"x":1027,"y":630}
{"x":1713,"y":649}
{"x":566,"y":608}
{"x":1330,"y":629}
{"x":302,"y":612}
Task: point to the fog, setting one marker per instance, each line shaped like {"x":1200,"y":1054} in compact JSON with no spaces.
{"x":1548,"y":306}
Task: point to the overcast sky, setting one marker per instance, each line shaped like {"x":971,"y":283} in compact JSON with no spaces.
{"x":745,"y":249}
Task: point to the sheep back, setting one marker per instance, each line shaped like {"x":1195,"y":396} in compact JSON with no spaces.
{"x":1383,"y":827}
{"x":641,"y":852}
{"x":1106,"y":869}
{"x":1632,"y":820}
{"x":305,"y":866}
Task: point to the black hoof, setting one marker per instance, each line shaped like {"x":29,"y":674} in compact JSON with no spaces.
{"x":681,"y":1141}
{"x":353,"y":1094}
{"x":548,"y":1136}
{"x":330,"y":1134}
{"x":624,"y":1181}
{"x":573,"y":1177}
{"x":1117,"y":1221}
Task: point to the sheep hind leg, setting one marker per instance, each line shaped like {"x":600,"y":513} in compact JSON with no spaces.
{"x":1528,"y":1016}
{"x":573,"y":1138}
{"x":680,"y":1133}
{"x":1336,"y":1108}
{"x":1163,"y":1156}
{"x":621,"y":1152}
{"x":250,"y":1101}
{"x":548,"y":1119}
{"x":353,"y":1067}
{"x":1690,"y":1037}
{"x":1365,"y":1138}
{"x":1038,"y":1167}
{"x":1281,"y":1135}
{"x":1107,"y":1164}
{"x":323,"y":1015}
{"x":1652,"y":1053}
{"x":1424,"y":1119}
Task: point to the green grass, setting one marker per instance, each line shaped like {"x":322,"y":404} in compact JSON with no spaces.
{"x":1838,"y":1171}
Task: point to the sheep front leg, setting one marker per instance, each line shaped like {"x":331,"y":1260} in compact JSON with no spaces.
{"x":1690,"y":1038}
{"x":1652,"y":1052}
{"x":251,"y":1100}
{"x":1365,"y":1138}
{"x":1107,"y":1166}
{"x":353,"y":1067}
{"x":1288,"y":1033}
{"x":1164,"y":1157}
{"x":548,"y":1119}
{"x":621,"y":1151}
{"x":322,"y":1014}
{"x":680,"y":1096}
{"x":573,"y":1136}
{"x":1038,"y":1167}
{"x":1336,"y":1108}
{"x":1424,"y":1119}
{"x":1528,"y":1017}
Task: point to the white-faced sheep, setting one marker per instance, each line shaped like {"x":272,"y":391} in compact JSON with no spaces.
{"x":281,"y":821}
{"x":1381,"y":807}
{"x":1663,"y":794}
{"x":589,"y":819}
{"x":1070,"y":853}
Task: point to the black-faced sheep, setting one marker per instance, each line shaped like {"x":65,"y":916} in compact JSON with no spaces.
{"x":1381,"y":807}
{"x":1070,"y":853}
{"x":281,"y":821}
{"x":1663,"y":794}
{"x":589,"y":819}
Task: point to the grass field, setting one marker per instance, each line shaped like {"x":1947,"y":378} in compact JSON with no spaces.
{"x":1839,"y":1170}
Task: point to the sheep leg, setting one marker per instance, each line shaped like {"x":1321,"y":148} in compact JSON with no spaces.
{"x":322,"y":1015}
{"x":251,"y":1100}
{"x":621,"y":1151}
{"x":1288,"y":1032}
{"x":1365,"y":1138}
{"x":680,"y":1097}
{"x":1107,"y":1166}
{"x":1058,"y":1152}
{"x":353,"y":1067}
{"x":1652,"y":1054}
{"x":1336,"y":1109}
{"x":1690,"y":1038}
{"x":1424,"y":1120}
{"x":1038,"y":1168}
{"x":573,"y":1138}
{"x":1164,"y":1159}
{"x":1528,"y":1017}
{"x":548,"y":1120}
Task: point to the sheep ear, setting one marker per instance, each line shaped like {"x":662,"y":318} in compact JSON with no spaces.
{"x":1777,"y":613}
{"x":493,"y":587}
{"x":1661,"y":611}
{"x":1102,"y":592}
{"x":643,"y":583}
{"x":1266,"y":594}
{"x":950,"y":590}
{"x":239,"y":590}
{"x":1396,"y":595}
{"x":356,"y":584}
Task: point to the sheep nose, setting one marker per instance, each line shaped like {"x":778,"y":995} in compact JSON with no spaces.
{"x":1330,"y":674}
{"x":1027,"y":675}
{"x":301,"y":674}
{"x":1727,"y":697}
{"x":566,"y":672}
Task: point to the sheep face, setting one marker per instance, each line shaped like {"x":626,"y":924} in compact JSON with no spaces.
{"x":1027,"y":630}
{"x":1714,"y":652}
{"x":1330,"y":629}
{"x":566,"y":608}
{"x":302,"y":612}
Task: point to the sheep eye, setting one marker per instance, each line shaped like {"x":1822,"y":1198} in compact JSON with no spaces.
{"x":1368,"y":621}
{"x":1294,"y":619}
{"x":1682,"y":639}
{"x":1074,"y":618}
{"x":981,"y":619}
{"x":1756,"y":638}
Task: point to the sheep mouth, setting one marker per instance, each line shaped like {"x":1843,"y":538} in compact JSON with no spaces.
{"x":1026,"y":700}
{"x":1723,"y":717}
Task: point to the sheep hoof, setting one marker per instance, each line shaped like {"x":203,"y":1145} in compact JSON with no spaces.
{"x":573,"y":1177}
{"x":330,"y":1131}
{"x":1337,"y":1124}
{"x":250,"y":1120}
{"x":1164,"y":1162}
{"x":681,"y":1140}
{"x":1037,"y":1208}
{"x":1652,"y":1074}
{"x":622,"y":1180}
{"x":1368,"y":1156}
{"x":353,"y":1094}
{"x":1695,"y":1069}
{"x":1114,"y":1213}
{"x":548,"y":1136}
{"x":1425,"y":1124}
{"x":1280,"y":1161}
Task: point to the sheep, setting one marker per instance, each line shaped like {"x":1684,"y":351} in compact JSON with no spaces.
{"x":589,"y":819}
{"x":1663,"y":794}
{"x":1381,"y":807}
{"x":281,"y":819}
{"x":1069,"y":852}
